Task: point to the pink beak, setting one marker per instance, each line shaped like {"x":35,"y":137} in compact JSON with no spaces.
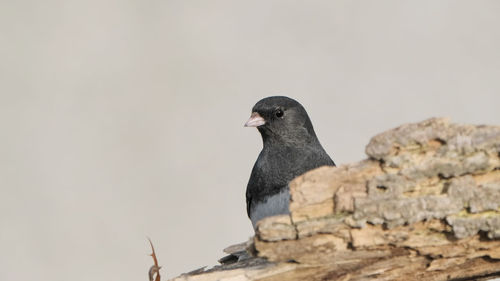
{"x":255,"y":120}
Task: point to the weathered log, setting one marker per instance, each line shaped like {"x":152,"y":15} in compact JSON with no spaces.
{"x":424,"y":206}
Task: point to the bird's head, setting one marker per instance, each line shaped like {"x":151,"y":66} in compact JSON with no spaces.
{"x":281,"y":119}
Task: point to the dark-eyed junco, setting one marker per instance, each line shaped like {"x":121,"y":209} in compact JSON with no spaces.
{"x":291,"y":148}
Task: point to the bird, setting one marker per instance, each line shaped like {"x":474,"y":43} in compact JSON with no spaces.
{"x":290,"y":148}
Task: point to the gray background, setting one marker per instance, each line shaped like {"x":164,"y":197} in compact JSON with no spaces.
{"x":124,"y":119}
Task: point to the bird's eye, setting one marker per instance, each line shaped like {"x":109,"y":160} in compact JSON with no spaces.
{"x":279,"y":113}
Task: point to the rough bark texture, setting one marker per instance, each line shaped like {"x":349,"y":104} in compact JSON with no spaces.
{"x":424,"y":206}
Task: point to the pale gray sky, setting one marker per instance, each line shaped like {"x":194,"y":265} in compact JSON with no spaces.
{"x":124,"y":119}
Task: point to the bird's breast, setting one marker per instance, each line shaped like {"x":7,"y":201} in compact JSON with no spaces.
{"x":277,"y":204}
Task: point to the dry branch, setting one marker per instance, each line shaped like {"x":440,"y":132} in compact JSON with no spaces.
{"x":424,"y":206}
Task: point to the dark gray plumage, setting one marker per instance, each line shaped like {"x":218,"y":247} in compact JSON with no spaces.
{"x":291,"y":148}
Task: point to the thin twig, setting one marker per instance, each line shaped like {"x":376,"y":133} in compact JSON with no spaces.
{"x":154,"y":269}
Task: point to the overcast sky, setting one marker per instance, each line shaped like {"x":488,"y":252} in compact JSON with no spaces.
{"x":124,"y":119}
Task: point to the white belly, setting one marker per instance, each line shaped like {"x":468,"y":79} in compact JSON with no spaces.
{"x":277,"y":204}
